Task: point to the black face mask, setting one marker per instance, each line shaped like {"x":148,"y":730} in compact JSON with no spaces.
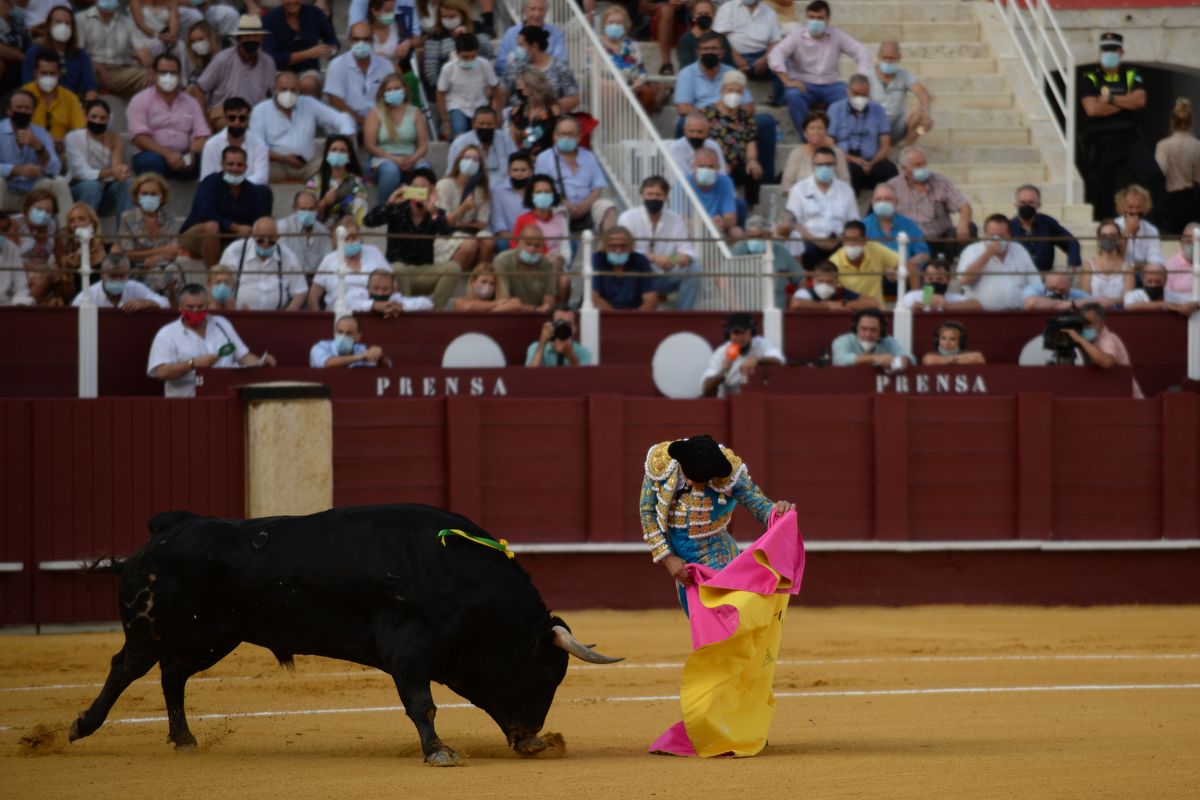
{"x":519,"y":183}
{"x":1155,"y":293}
{"x":97,"y":127}
{"x":20,"y":119}
{"x":704,"y":21}
{"x":709,"y":60}
{"x":237,"y":131}
{"x":381,"y":298}
{"x":250,"y":48}
{"x":485,"y":136}
{"x":939,"y":288}
{"x":653,"y":206}
{"x":696,"y":142}
{"x":1026,"y":212}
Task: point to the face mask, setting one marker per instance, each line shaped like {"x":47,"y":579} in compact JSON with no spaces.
{"x":264,"y":252}
{"x":731,"y":99}
{"x":704,"y":21}
{"x":823,"y":173}
{"x":1090,"y":334}
{"x":193,"y":319}
{"x":543,"y":200}
{"x":381,"y":298}
{"x":98,"y":128}
{"x":520,"y":55}
{"x":485,"y":136}
{"x":306,"y":218}
{"x":86,"y":229}
{"x":1003,"y":244}
{"x":344,"y":344}
{"x":149,"y":202}
{"x":889,"y":67}
{"x":709,"y":60}
{"x":921,"y":174}
{"x":618,"y":259}
{"x":518,"y":183}
{"x":234,"y":180}
{"x":1107,"y":245}
{"x":944,"y":352}
{"x":337,"y":159}
{"x":706,"y":176}
{"x":749,"y":2}
{"x":468,"y":167}
{"x":39,"y":217}
{"x":222,"y":292}
{"x":201,"y":47}
{"x":361,"y":50}
{"x":866,"y":346}
{"x":884,"y":209}
{"x":287,"y":99}
{"x":21,"y":119}
{"x":1110,"y":60}
{"x":565,"y":145}
{"x":47,"y":83}
{"x":756,"y":247}
{"x":250,"y":48}
{"x":696,"y":142}
{"x":236,"y":131}
{"x":484,"y":291}
{"x":168,"y":81}
{"x":394,"y":97}
{"x":1155,"y":293}
{"x":353,"y":249}
{"x":106,"y":5}
{"x":114,"y":287}
{"x":450,"y":23}
{"x":853,"y":251}
{"x":614,"y":30}
{"x":1026,"y":212}
{"x":939,"y":288}
{"x":528,"y":257}
{"x":61,"y":32}
{"x":824,"y":291}
{"x":653,"y":206}
{"x":859,"y":103}
{"x":387,"y":19}
{"x":816,"y":27}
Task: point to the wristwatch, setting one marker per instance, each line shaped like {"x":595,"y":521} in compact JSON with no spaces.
{"x":191,"y":363}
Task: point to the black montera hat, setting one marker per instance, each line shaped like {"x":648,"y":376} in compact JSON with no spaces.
{"x":701,"y":458}
{"x":1111,"y":41}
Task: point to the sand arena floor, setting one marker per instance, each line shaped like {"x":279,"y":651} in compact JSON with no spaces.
{"x":923,"y":702}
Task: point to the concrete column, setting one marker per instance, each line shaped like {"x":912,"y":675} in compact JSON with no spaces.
{"x":289,"y":448}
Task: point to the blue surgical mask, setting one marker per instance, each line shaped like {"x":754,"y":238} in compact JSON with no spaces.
{"x":520,"y":55}
{"x":921,"y":174}
{"x":889,"y":67}
{"x":816,"y":27}
{"x":149,"y":202}
{"x":233,"y":180}
{"x":360,"y":49}
{"x":1110,"y":59}
{"x":468,"y":167}
{"x":386,"y":19}
{"x":337,"y":159}
{"x":756,"y":247}
{"x":306,"y":218}
{"x":617,"y":259}
{"x":106,"y":5}
{"x":543,"y":200}
{"x":565,"y":144}
{"x":884,"y":208}
{"x":1090,"y":334}
{"x":353,"y":249}
{"x":394,"y":97}
{"x":221,"y":292}
{"x":114,"y":287}
{"x":344,"y":344}
{"x":614,"y":30}
{"x":823,"y":173}
{"x":528,"y":257}
{"x":706,"y":176}
{"x":944,"y":352}
{"x":264,"y":252}
{"x":468,"y":63}
{"x":39,"y":217}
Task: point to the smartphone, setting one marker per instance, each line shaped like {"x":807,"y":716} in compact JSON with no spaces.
{"x":416,"y":193}
{"x":926,"y":294}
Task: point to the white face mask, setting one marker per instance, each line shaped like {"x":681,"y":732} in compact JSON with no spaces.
{"x":168,"y":81}
{"x":859,"y":103}
{"x":60,"y":32}
{"x":287,"y":100}
{"x":853,"y":251}
{"x":824,"y":291}
{"x":47,"y":83}
{"x":732,"y":99}
{"x":485,"y":291}
{"x":866,"y":346}
{"x":201,"y":47}
{"x":450,"y":23}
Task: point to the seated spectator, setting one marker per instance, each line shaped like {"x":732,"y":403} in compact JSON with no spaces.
{"x":1142,"y":244}
{"x":1101,"y":347}
{"x":222,"y":18}
{"x":156,"y":27}
{"x":28,"y":160}
{"x":533,"y":16}
{"x":236,"y":115}
{"x":1039,"y":233}
{"x":865,"y":266}
{"x":752,"y":30}
{"x":1054,"y":293}
{"x":890,"y":86}
{"x":533,"y":43}
{"x":46,"y":286}
{"x":394,"y":31}
{"x":1178,"y":156}
{"x":497,"y":149}
{"x":868,"y":343}
{"x":884,"y":225}
{"x":149,"y":233}
{"x":481,"y":293}
{"x":60,"y":40}
{"x":298,"y":36}
{"x":546,"y":212}
{"x":353,"y":80}
{"x":37,"y":229}
{"x":1108,"y":276}
{"x":466,"y":200}
{"x":662,"y":237}
{"x":806,"y":61}
{"x":304,"y":235}
{"x":201,"y":46}
{"x":508,"y":196}
{"x":312,"y":84}
{"x":14,"y":283}
{"x":338,"y":185}
{"x":1179,"y":267}
{"x":736,"y":359}
{"x":222,"y":289}
{"x":1154,"y":294}
{"x":935,"y":295}
{"x":197,"y":340}
{"x":634,"y":284}
{"x":825,"y":292}
{"x":734,"y":129}
{"x":626,"y":55}
{"x":167,"y":126}
{"x":361,"y":261}
{"x":81,"y":216}
{"x":225,"y":203}
{"x":703,"y":13}
{"x":116,"y":290}
{"x":799,"y":164}
{"x":243,"y":71}
{"x":464,"y":85}
{"x":580,"y":179}
{"x":96,"y":157}
{"x":345,"y":349}
{"x":381,"y":297}
{"x":58,"y":110}
{"x":557,"y":345}
{"x":715,"y":192}
{"x":950,"y":342}
{"x":395,"y":135}
{"x":414,"y":221}
{"x":452,"y":21}
{"x":268,"y":277}
{"x":15,"y":41}
{"x":532,"y":120}
{"x":929,"y":198}
{"x":696,"y":135}
{"x":995,"y":271}
{"x":288,"y":123}
{"x":758,"y":234}
{"x":860,"y":127}
{"x":821,"y":205}
{"x":523,"y":272}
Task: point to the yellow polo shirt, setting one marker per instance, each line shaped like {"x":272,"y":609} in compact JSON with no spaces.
{"x":63,"y":115}
{"x":876,"y":258}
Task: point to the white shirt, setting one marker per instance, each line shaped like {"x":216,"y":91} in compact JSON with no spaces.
{"x":38,"y":10}
{"x":466,"y":89}
{"x":310,"y":246}
{"x":106,"y":42}
{"x":297,"y":135}
{"x":748,"y":30}
{"x":1000,"y":292}
{"x":176,"y":342}
{"x":264,"y":284}
{"x":760,"y":348}
{"x":655,"y":239}
{"x":917,"y":298}
{"x":134,"y":290}
{"x":822,"y":213}
{"x":359,"y":301}
{"x":356,"y":89}
{"x":681,"y":153}
{"x":14,"y":285}
{"x":86,"y":155}
{"x":369,"y":260}
{"x":1145,"y":248}
{"x":258,"y":161}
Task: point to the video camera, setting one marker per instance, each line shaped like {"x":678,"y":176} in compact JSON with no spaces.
{"x":563,"y":330}
{"x":1056,"y":339}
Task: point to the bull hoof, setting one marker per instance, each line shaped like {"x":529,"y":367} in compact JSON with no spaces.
{"x":74,"y":733}
{"x":549,"y":745}
{"x":186,"y":744}
{"x":530,"y":747}
{"x":443,"y":758}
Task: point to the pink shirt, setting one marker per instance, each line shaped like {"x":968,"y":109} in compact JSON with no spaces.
{"x":172,"y":125}
{"x":803,"y":58}
{"x":1110,"y":343}
{"x":1179,"y":275}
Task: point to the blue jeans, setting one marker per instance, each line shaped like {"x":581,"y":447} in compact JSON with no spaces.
{"x":459,"y":123}
{"x":798,"y":101}
{"x":688,"y":287}
{"x":106,"y":197}
{"x":146,"y":161}
{"x":776,"y":84}
{"x":388,"y":177}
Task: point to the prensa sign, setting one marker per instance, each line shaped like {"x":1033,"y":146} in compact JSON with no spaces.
{"x":931,"y":383}
{"x":440,"y":386}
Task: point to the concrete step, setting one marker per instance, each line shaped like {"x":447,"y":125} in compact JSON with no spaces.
{"x":975,"y":100}
{"x":969,"y":83}
{"x":872,"y":29}
{"x":949,"y":136}
{"x":891,"y":12}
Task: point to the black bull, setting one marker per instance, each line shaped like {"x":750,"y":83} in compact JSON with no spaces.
{"x":372,"y":584}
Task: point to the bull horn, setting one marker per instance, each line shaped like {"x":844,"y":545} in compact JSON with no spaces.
{"x":564,"y":639}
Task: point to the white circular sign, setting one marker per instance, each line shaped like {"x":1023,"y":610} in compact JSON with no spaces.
{"x":679,"y":364}
{"x":471,"y":351}
{"x":1035,"y":354}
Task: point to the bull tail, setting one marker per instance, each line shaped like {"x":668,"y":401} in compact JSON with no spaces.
{"x":104,"y":565}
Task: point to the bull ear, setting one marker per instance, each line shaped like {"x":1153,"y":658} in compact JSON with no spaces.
{"x":564,"y":639}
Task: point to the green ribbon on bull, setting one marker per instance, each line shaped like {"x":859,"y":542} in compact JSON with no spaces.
{"x":501,"y":545}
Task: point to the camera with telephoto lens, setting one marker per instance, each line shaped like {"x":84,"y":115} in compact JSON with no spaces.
{"x":562,"y":330}
{"x":1056,"y":339}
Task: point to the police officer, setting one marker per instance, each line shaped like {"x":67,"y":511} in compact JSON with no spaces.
{"x":1113,"y":97}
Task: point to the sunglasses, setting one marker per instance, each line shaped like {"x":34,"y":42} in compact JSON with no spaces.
{"x":237,"y":117}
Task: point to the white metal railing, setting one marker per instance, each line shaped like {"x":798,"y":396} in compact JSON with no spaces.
{"x":629,"y":148}
{"x":1043,"y":49}
{"x":1193,"y":331}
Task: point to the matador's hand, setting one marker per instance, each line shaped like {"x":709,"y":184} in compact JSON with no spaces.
{"x":678,"y":569}
{"x":782,"y":507}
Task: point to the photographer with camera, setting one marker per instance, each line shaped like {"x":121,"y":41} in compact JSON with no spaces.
{"x":1054,"y":294}
{"x":1101,"y":347}
{"x":735,"y":359}
{"x":556,"y":346}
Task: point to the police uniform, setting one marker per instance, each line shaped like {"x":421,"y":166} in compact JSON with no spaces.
{"x":1113,"y":152}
